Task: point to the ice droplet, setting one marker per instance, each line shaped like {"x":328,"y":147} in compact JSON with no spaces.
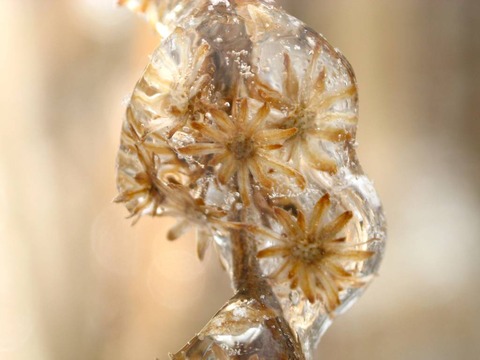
{"x":239,"y":312}
{"x":294,"y":297}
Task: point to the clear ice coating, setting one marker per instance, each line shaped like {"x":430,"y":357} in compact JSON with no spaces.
{"x":243,"y":128}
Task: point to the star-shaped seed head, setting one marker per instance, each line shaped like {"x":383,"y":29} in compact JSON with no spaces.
{"x":242,"y":147}
{"x":316,"y":258}
{"x":309,"y":107}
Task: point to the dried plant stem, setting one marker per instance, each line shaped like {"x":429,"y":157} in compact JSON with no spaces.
{"x":246,"y":272}
{"x":250,"y":284}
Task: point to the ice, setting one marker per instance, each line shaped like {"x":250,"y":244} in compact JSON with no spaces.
{"x":249,"y":117}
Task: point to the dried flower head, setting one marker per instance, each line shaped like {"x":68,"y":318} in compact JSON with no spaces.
{"x":192,"y":212}
{"x":174,"y":86}
{"x":242,"y":148}
{"x":141,"y":183}
{"x":156,"y":188}
{"x":315,"y":258}
{"x":151,"y":192}
{"x":308,"y":104}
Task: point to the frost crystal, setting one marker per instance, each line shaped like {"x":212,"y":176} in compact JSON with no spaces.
{"x":243,"y":126}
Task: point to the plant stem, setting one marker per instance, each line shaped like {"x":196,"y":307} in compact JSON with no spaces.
{"x":250,"y":284}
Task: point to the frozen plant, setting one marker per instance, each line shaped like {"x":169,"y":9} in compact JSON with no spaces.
{"x":243,"y":127}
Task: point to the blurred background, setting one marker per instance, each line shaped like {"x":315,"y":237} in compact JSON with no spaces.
{"x":78,"y":282}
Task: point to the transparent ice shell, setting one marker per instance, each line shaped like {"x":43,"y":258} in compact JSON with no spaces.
{"x":244,"y":122}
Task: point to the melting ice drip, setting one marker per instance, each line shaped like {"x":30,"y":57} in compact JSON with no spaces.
{"x":243,"y":126}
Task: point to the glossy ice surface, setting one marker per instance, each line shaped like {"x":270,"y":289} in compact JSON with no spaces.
{"x":243,"y":127}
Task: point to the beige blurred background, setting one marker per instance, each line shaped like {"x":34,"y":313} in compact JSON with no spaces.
{"x":78,"y":282}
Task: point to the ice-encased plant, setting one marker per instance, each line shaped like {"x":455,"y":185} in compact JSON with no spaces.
{"x":243,"y":127}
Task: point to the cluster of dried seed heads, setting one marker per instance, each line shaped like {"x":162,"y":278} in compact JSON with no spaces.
{"x":181,"y":139}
